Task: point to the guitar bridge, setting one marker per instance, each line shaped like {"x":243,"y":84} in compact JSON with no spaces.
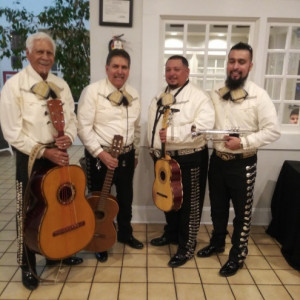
{"x":68,"y":228}
{"x":162,"y":195}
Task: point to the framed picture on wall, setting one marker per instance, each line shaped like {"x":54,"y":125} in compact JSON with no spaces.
{"x":7,"y":75}
{"x":116,"y":13}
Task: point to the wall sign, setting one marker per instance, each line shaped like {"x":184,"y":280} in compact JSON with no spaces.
{"x":116,"y":13}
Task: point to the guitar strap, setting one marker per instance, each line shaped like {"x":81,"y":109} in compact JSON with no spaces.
{"x":159,"y":111}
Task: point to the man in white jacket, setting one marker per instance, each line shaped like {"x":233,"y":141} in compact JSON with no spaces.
{"x":232,"y":170}
{"x":189,"y":106}
{"x":26,"y":123}
{"x":106,"y":108}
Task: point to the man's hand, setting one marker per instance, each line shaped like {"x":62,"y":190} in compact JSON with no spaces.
{"x":110,"y":162}
{"x":57,"y":156}
{"x":63,"y":142}
{"x":163,"y":135}
{"x":232,"y":142}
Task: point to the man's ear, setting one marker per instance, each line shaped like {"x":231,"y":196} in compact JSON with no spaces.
{"x":188,"y":71}
{"x":251,"y":65}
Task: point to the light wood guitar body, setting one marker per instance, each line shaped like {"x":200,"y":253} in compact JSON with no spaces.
{"x":167,"y":191}
{"x":62,"y":222}
{"x":167,"y":187}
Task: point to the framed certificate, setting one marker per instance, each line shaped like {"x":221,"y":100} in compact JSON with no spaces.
{"x":7,"y":75}
{"x":116,"y":13}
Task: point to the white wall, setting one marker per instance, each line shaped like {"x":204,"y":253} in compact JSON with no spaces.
{"x":144,"y":46}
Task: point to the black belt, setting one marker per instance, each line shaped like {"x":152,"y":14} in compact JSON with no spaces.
{"x":234,"y":156}
{"x":157,"y":153}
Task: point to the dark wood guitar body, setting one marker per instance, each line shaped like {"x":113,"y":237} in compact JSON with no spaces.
{"x":105,"y":208}
{"x":105,"y":234}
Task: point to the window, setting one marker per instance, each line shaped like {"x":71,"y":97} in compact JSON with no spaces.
{"x":205,"y":44}
{"x":282,"y":70}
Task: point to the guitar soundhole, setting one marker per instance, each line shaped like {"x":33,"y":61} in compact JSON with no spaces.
{"x":162,"y":176}
{"x":99,"y":214}
{"x":66,"y":193}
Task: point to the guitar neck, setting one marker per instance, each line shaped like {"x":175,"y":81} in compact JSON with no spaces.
{"x":165,"y":123}
{"x":163,"y":149}
{"x":115,"y":152}
{"x":105,"y":189}
{"x":60,"y":133}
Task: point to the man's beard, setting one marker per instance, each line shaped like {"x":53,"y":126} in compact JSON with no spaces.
{"x":233,"y":84}
{"x":173,"y":86}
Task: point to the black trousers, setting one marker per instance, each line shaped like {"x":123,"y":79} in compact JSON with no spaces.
{"x":26,"y":257}
{"x":183,"y":225}
{"x":123,"y":181}
{"x":232,"y":180}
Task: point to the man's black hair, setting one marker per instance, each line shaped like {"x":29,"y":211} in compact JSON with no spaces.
{"x":117,"y":52}
{"x":182,"y":58}
{"x":243,"y":46}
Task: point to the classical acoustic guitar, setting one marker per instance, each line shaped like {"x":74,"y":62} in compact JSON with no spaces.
{"x":61,"y":222}
{"x":167,"y":187}
{"x":105,"y":207}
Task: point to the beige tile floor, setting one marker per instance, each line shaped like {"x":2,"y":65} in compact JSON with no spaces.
{"x":143,"y":274}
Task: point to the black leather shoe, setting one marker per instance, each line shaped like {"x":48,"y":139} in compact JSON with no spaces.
{"x":177,"y":260}
{"x":102,"y":256}
{"x":209,"y":250}
{"x":230,"y":268}
{"x":70,"y":261}
{"x":29,"y":281}
{"x":133,"y":243}
{"x":162,"y":241}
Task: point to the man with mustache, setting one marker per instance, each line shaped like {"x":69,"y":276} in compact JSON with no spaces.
{"x":106,"y":108}
{"x":232,"y":170}
{"x":190,"y":106}
{"x":27,"y":126}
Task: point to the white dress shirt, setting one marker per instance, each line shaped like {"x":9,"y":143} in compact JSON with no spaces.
{"x":256,"y":114}
{"x":192,"y":107}
{"x":25,"y":120}
{"x":99,"y":119}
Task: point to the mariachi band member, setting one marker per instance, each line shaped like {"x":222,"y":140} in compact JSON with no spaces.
{"x":190,"y":106}
{"x":232,"y":169}
{"x":106,"y":108}
{"x":26,"y":124}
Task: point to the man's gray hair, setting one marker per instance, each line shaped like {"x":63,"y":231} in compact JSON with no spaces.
{"x":39,"y":36}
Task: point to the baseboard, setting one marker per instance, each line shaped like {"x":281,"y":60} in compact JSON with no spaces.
{"x":151,"y":214}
